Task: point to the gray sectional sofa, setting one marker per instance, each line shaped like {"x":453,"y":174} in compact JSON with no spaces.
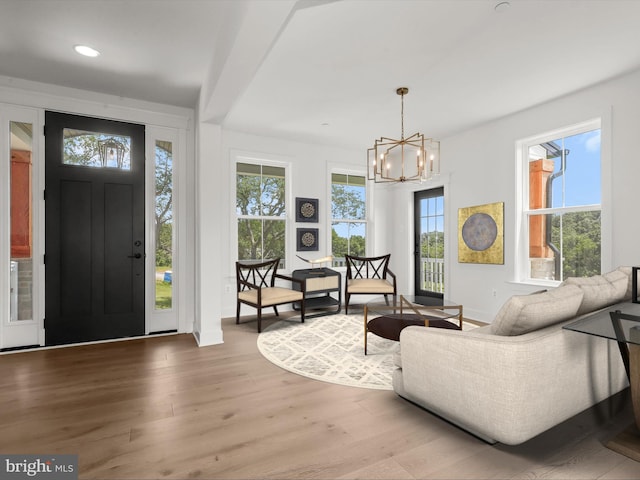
{"x":522,"y":374}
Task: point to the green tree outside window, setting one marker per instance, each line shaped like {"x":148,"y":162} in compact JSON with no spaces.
{"x":348,"y":212}
{"x":261,"y":212}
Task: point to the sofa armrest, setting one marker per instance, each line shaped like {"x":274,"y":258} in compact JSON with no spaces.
{"x":508,"y":389}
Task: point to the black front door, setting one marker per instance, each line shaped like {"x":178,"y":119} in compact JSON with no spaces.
{"x":94,"y":229}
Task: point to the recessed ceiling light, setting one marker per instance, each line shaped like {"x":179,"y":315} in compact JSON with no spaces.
{"x":86,"y":51}
{"x":502,"y":7}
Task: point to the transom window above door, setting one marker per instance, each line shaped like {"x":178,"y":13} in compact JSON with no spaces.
{"x":94,"y":149}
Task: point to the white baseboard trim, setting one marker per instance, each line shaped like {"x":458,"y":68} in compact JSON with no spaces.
{"x":205,"y":339}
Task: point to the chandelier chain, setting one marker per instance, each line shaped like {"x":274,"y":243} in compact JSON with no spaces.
{"x":402,"y":116}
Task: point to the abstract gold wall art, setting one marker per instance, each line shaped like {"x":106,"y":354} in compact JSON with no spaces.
{"x":481,"y":234}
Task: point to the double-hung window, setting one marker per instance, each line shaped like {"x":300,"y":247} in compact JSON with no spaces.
{"x":348,"y":216}
{"x":261,"y":211}
{"x":561,"y":222}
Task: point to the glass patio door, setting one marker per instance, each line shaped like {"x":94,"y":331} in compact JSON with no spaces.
{"x":429,"y":243}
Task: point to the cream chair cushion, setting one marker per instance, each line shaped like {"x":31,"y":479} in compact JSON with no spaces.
{"x":369,"y":285}
{"x":271,"y":296}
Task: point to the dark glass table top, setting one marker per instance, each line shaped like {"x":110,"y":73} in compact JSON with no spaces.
{"x":601,"y":325}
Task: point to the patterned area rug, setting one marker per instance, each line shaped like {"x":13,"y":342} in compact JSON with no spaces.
{"x":330,"y":349}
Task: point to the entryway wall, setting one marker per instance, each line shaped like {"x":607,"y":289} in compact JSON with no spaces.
{"x":26,"y":101}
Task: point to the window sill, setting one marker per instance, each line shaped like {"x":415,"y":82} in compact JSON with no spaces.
{"x":536,"y":282}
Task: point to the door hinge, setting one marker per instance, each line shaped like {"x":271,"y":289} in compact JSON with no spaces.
{"x":44,"y":194}
{"x":44,"y":259}
{"x":44,"y":130}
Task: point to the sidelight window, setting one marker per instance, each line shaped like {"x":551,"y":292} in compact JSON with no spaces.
{"x":164,"y":224}
{"x":21,"y":266}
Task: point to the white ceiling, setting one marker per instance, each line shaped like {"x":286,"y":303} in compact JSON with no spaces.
{"x":326,"y":71}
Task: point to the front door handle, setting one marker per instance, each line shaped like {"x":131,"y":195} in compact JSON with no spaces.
{"x":137,"y":255}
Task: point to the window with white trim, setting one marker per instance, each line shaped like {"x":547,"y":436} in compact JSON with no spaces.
{"x":164,"y":228}
{"x":561,"y":207}
{"x":348,"y":216}
{"x":261,"y":211}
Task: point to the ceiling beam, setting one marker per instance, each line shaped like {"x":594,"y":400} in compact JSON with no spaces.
{"x":243,"y":42}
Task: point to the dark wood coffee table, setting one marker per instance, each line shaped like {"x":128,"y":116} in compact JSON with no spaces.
{"x":395,"y":313}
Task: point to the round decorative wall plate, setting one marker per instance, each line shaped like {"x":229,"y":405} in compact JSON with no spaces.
{"x":479,"y":231}
{"x":307,"y":239}
{"x":306,"y":209}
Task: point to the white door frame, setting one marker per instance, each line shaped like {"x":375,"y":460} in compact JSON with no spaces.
{"x":163,"y":122}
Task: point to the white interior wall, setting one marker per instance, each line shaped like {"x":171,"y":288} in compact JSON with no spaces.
{"x":478,"y":167}
{"x":383,"y":212}
{"x":309,"y":176}
{"x":481,"y":166}
{"x":209,"y":191}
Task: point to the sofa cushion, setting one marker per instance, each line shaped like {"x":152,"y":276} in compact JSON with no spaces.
{"x":600,"y":290}
{"x":526,"y":313}
{"x":627,"y":271}
{"x":621,"y":283}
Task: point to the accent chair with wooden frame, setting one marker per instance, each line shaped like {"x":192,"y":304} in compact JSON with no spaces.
{"x":256,"y":285}
{"x":368,"y":276}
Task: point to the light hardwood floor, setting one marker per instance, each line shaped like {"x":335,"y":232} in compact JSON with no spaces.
{"x":163,"y":408}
